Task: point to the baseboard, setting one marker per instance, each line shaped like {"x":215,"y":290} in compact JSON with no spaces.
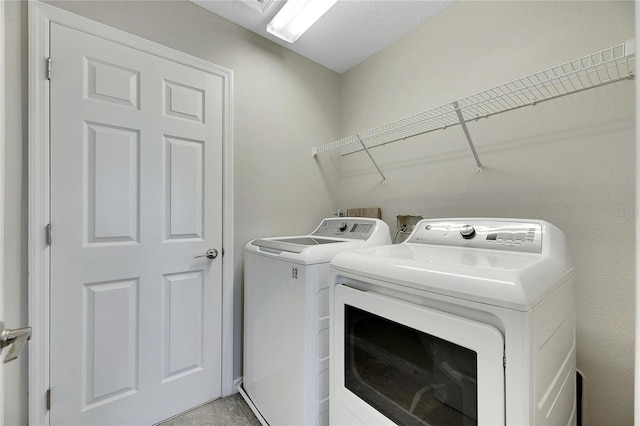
{"x":236,"y":384}
{"x":251,"y":405}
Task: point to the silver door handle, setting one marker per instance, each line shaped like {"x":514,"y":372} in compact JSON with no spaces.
{"x":211,"y":254}
{"x":17,"y":338}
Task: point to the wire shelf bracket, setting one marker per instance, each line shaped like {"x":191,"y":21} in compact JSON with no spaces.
{"x":463,"y":124}
{"x":606,"y":66}
{"x":384,"y":179}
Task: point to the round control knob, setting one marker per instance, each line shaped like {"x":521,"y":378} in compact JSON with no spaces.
{"x":467,"y":231}
{"x":342,"y":227}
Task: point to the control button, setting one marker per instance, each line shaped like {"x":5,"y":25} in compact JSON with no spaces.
{"x":467,"y":231}
{"x":342,"y":227}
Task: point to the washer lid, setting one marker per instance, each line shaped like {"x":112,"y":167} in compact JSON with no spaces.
{"x":332,"y":236}
{"x":292,"y":244}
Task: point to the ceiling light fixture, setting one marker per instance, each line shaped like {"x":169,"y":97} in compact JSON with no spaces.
{"x":296,"y":16}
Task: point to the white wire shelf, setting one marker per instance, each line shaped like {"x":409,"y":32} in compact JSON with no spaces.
{"x":597,"y":69}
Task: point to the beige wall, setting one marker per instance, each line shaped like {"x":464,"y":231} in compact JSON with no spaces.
{"x":569,"y":161}
{"x":283,"y":105}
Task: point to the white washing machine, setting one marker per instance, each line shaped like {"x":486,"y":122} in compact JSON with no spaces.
{"x":286,"y":318}
{"x":468,"y":322}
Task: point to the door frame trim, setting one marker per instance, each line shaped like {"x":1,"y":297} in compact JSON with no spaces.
{"x":3,"y":135}
{"x":40,"y":17}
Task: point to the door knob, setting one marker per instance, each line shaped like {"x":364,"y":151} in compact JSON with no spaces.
{"x":17,"y":338}
{"x":211,"y":254}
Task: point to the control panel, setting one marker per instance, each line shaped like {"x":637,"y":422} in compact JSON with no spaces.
{"x":357,"y":229}
{"x":478,"y":233}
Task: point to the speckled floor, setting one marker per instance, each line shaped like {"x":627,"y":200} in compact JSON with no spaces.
{"x":229,"y":411}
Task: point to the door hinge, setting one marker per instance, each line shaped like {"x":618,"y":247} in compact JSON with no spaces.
{"x":49,"y":68}
{"x":49,"y":234}
{"x":47,"y":397}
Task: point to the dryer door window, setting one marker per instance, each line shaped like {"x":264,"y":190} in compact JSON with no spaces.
{"x":407,"y":374}
{"x":414,"y":365}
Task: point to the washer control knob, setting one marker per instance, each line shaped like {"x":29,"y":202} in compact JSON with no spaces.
{"x":342,"y":227}
{"x":467,"y":232}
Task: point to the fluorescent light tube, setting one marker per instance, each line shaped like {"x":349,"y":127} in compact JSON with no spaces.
{"x":296,"y":16}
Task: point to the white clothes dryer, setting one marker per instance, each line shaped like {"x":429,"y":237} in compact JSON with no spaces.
{"x":468,"y":322}
{"x":286,"y":318}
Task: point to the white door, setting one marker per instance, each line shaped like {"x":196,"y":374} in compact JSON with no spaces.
{"x":136,"y":194}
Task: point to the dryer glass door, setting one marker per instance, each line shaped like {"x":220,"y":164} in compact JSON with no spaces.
{"x":415,"y":365}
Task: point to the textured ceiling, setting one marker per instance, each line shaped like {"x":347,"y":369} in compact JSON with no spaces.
{"x":346,"y":35}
